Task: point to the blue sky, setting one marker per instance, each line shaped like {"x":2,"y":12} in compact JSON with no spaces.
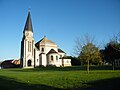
{"x":60,"y":20}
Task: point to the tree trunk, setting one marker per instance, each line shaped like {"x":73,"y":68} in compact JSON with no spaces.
{"x":81,"y":63}
{"x":88,"y":67}
{"x":113,"y":65}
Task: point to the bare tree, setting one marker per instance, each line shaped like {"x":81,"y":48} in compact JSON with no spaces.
{"x":80,"y":42}
{"x":116,"y":40}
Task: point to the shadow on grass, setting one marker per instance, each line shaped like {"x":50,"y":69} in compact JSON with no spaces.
{"x":12,"y":84}
{"x":105,"y":84}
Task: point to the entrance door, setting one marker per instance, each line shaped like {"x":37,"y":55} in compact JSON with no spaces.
{"x":29,"y":62}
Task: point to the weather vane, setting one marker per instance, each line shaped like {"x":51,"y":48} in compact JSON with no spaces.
{"x":29,"y":9}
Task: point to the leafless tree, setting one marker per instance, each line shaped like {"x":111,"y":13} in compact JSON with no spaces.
{"x":80,"y":42}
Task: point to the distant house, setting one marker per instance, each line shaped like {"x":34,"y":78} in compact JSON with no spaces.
{"x":0,"y":64}
{"x":16,"y":62}
{"x":10,"y":64}
{"x":66,"y":61}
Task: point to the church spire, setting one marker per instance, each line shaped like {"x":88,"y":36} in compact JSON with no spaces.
{"x":28,"y":25}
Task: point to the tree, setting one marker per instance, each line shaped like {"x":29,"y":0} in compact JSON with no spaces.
{"x":86,"y":51}
{"x":90,"y":54}
{"x":112,"y":50}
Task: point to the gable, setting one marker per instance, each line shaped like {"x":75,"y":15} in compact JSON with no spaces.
{"x":44,"y":41}
{"x":51,"y":51}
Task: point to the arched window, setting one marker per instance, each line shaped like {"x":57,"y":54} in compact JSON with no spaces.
{"x":29,"y":46}
{"x":67,"y":61}
{"x":60,"y":56}
{"x":29,"y":62}
{"x":52,"y":58}
{"x":37,"y":60}
{"x":42,"y":49}
{"x":56,"y":58}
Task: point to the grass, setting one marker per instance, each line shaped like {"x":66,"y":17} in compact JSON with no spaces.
{"x":59,"y":78}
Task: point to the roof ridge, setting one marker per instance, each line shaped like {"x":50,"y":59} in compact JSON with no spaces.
{"x":45,"y":40}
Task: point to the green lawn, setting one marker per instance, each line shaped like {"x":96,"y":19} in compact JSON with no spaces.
{"x":59,"y":78}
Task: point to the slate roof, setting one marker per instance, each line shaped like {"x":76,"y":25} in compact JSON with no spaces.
{"x":28,"y":25}
{"x":61,"y":51}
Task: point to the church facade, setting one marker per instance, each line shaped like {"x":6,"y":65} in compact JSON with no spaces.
{"x":43,"y":53}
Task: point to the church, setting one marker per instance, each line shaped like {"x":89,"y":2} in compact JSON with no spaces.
{"x":43,"y":53}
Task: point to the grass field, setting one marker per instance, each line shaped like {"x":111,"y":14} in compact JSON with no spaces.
{"x":71,"y":78}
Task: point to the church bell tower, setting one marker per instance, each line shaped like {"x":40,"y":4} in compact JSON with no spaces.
{"x":27,"y":45}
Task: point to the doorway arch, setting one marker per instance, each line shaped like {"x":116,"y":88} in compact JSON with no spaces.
{"x":29,"y":63}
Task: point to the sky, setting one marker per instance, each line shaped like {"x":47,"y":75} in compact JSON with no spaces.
{"x":59,"y":20}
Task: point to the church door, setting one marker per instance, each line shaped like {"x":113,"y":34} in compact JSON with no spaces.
{"x":29,"y":62}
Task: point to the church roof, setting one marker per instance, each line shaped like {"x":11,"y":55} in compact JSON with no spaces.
{"x":28,"y":25}
{"x":46,"y":41}
{"x":51,"y":51}
{"x":61,"y":51}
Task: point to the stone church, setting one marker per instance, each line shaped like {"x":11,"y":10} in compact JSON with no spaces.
{"x":43,"y":53}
